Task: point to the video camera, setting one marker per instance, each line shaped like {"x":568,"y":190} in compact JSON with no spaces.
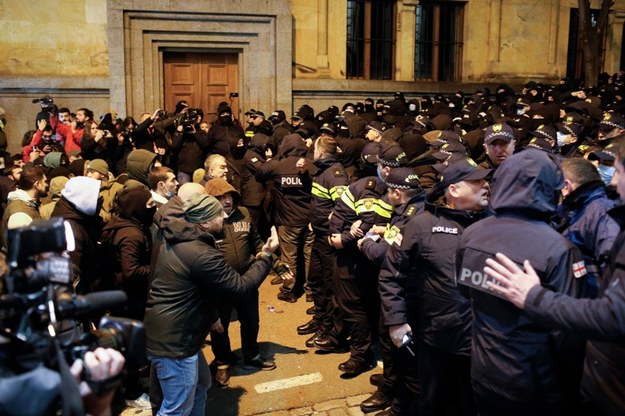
{"x":189,"y":118}
{"x":46,"y":102}
{"x":39,"y":310}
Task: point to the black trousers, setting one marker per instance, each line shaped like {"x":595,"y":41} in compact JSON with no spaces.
{"x":247,"y":312}
{"x":445,"y":383}
{"x":320,"y":281}
{"x":357,"y":296}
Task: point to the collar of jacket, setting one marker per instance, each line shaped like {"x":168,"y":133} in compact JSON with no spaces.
{"x":583,"y":195}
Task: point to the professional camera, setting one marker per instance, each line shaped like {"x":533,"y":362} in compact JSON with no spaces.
{"x":161,"y":114}
{"x":189,"y":118}
{"x":41,"y":319}
{"x":46,"y":102}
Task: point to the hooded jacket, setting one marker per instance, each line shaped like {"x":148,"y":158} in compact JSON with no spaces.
{"x":293,"y":189}
{"x":601,"y":320}
{"x":239,"y":241}
{"x":20,"y":211}
{"x":513,"y":356}
{"x":586,"y":224}
{"x":138,"y":167}
{"x":126,"y":238}
{"x":253,"y":192}
{"x":79,"y":208}
{"x":189,"y":275}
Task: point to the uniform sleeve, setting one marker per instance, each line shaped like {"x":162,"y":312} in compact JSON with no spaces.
{"x":375,"y":251}
{"x":395,"y":272}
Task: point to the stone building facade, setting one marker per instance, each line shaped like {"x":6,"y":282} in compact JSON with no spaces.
{"x":133,"y":56}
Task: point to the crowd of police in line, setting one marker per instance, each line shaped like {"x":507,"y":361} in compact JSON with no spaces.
{"x":386,"y":214}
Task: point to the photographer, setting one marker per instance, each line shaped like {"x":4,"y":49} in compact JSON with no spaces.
{"x":149,"y":136}
{"x":95,"y":142}
{"x":189,"y":144}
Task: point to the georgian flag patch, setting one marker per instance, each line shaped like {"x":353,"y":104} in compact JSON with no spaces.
{"x":579,"y":269}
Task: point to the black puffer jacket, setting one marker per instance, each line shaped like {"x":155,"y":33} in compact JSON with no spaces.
{"x":189,"y":276}
{"x":513,"y":356}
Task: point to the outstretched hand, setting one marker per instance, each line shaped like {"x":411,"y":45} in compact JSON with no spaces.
{"x":273,"y":242}
{"x":512,"y":283}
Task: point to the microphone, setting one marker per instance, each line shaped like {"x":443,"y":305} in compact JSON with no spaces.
{"x":92,"y":304}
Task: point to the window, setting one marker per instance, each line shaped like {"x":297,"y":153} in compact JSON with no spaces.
{"x":438,"y":40}
{"x":574,"y":54}
{"x":370,"y":39}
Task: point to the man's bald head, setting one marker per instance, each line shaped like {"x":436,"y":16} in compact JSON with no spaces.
{"x":189,"y":189}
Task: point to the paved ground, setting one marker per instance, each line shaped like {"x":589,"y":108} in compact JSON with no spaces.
{"x":305,"y":383}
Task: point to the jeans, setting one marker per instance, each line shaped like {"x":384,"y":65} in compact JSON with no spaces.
{"x":184,"y":382}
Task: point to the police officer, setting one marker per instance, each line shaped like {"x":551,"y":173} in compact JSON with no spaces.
{"x":407,"y":198}
{"x":354,"y":276}
{"x":519,"y":367}
{"x":329,"y":182}
{"x":499,"y":143}
{"x":419,"y":294}
{"x":292,"y":211}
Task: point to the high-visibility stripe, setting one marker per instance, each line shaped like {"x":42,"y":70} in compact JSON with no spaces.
{"x":348,"y":199}
{"x":373,"y":205}
{"x":320,"y":192}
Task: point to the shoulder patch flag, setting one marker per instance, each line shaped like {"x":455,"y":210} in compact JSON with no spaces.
{"x":579,"y":269}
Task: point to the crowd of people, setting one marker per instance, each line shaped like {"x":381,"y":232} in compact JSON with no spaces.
{"x":476,"y":237}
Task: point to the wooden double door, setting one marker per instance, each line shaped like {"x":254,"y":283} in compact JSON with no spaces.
{"x":202,"y":79}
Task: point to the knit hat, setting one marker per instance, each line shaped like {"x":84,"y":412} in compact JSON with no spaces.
{"x":83,"y":193}
{"x":57,"y":184}
{"x":100,"y":166}
{"x":52,"y":160}
{"x":201,"y":208}
{"x":198,"y":175}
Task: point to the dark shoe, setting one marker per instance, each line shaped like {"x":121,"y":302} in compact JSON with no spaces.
{"x":311,"y":310}
{"x":376,"y":379}
{"x":378,"y":401}
{"x":222,"y":375}
{"x":309,"y":327}
{"x":287,"y":297}
{"x":330,"y":345}
{"x":259,"y":363}
{"x":276,"y":280}
{"x":354,"y":367}
{"x":310,"y":342}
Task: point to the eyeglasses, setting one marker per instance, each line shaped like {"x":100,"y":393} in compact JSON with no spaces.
{"x":45,"y":136}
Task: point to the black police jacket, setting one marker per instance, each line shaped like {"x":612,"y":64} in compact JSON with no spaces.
{"x":375,"y":250}
{"x":328,"y":184}
{"x":417,"y":279}
{"x":293,"y":188}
